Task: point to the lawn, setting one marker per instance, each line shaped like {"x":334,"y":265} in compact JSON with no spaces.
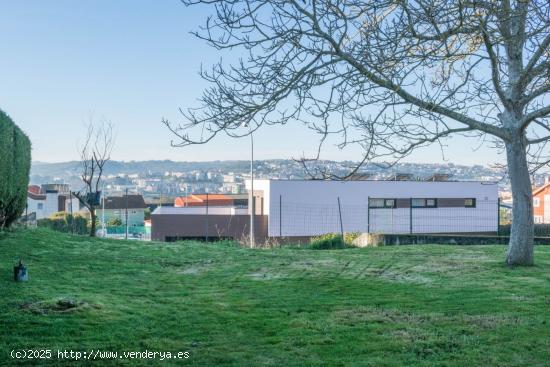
{"x":228,"y":306}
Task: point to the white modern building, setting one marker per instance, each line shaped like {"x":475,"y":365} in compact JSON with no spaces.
{"x":309,"y":207}
{"x":306,"y":208}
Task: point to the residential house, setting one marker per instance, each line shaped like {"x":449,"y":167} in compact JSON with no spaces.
{"x":541,"y":203}
{"x":119,"y":206}
{"x":45,"y":200}
{"x":211,"y":200}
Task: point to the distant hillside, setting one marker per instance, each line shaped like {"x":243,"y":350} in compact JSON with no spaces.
{"x":114,"y":167}
{"x":265,"y":167}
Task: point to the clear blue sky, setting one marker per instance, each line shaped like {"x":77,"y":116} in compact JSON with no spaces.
{"x":133,"y":62}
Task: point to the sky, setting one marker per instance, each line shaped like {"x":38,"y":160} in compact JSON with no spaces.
{"x":135,"y":62}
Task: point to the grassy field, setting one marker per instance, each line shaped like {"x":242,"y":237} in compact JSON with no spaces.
{"x":410,"y":305}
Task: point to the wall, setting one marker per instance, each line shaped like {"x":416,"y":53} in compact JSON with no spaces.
{"x":197,"y":226}
{"x":402,"y":239}
{"x":32,"y":207}
{"x":310,"y":208}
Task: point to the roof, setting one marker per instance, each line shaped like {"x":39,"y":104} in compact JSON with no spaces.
{"x":119,"y":202}
{"x":35,"y":189}
{"x":542,"y":188}
{"x":203,"y":199}
{"x":35,"y":196}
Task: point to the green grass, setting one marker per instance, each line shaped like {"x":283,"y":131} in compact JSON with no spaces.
{"x":410,"y":305}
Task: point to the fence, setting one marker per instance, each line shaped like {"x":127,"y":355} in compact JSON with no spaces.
{"x":392,"y":216}
{"x":136,"y":232}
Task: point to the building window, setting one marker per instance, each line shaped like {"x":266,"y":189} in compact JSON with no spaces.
{"x":537,"y":219}
{"x":424,"y":203}
{"x":40,"y":206}
{"x":382,"y":203}
{"x":470,"y":203}
{"x":536,"y":202}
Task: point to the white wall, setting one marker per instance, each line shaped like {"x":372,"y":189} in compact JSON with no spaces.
{"x":52,"y":204}
{"x":32,"y":207}
{"x":311,"y":207}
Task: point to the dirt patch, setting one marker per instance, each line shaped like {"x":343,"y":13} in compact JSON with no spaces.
{"x":378,"y":315}
{"x":196,"y":269}
{"x":265,"y":274}
{"x":61,"y":305}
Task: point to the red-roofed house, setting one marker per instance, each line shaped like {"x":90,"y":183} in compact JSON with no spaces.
{"x":210,"y":200}
{"x":48,"y":199}
{"x":541,"y":204}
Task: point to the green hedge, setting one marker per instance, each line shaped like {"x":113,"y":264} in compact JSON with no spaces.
{"x":63,"y":222}
{"x":15,"y":165}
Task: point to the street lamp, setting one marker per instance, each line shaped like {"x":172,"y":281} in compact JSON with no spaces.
{"x":251,"y":203}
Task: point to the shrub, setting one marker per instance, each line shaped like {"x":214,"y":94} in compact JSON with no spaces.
{"x":349,"y":237}
{"x":15,"y":165}
{"x":115,"y":221}
{"x":64,"y":222}
{"x":333,"y":241}
{"x":328,"y":241}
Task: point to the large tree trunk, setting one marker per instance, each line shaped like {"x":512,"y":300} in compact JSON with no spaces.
{"x":93,"y":225}
{"x":520,"y":247}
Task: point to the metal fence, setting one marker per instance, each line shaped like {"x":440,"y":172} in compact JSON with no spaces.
{"x":399,"y":216}
{"x":307,"y":219}
{"x":134,"y":232}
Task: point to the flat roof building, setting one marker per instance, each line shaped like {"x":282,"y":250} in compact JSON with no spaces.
{"x":305,"y":208}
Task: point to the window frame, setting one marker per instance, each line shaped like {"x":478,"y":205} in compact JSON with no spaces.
{"x":384,"y":203}
{"x":424,"y":203}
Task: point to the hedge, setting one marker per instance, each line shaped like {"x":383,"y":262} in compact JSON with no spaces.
{"x":64,"y":222}
{"x":15,"y":165}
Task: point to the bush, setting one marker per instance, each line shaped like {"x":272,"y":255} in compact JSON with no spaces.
{"x":63,"y":222}
{"x":114,"y":222}
{"x":333,"y":241}
{"x":328,"y":241}
{"x":15,"y":165}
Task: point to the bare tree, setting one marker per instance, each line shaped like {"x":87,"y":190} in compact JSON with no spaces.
{"x":94,"y":154}
{"x":388,"y":75}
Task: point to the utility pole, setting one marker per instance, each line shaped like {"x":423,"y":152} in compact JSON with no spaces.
{"x":207,"y":204}
{"x":252,"y":202}
{"x":104,"y":229}
{"x":126,"y":214}
{"x":71,"y":209}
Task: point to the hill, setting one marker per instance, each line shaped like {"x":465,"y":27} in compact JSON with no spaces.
{"x":229,"y":306}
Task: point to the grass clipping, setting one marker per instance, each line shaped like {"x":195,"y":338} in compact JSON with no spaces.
{"x":60,"y":305}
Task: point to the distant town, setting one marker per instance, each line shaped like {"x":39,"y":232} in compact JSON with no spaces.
{"x":165,"y":180}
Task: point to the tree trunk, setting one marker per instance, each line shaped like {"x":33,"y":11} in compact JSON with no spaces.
{"x":93,"y":225}
{"x":520,"y":247}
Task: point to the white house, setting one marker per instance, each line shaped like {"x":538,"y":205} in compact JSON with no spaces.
{"x":310,"y":207}
{"x":47,"y":199}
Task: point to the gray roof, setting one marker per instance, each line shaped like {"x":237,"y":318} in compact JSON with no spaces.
{"x":119,"y":202}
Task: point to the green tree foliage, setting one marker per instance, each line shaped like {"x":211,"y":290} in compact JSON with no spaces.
{"x":64,"y":222}
{"x":115,"y":221}
{"x":15,"y":164}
